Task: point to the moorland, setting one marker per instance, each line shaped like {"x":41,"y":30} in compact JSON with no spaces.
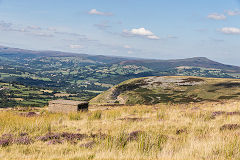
{"x":206,"y":130}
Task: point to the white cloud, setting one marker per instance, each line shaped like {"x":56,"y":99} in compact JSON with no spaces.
{"x":31,"y":30}
{"x":38,"y":31}
{"x":127,"y":47}
{"x":233,"y":13}
{"x":230,"y":30}
{"x":153,"y":37}
{"x":141,"y":32}
{"x":96,"y":12}
{"x":217,"y":16}
{"x":76,"y":46}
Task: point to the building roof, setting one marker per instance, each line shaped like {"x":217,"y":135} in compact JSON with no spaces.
{"x":67,"y":102}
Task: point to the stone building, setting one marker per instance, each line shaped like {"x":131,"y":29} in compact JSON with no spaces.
{"x":67,"y":106}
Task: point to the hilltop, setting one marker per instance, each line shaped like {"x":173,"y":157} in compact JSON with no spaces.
{"x":153,"y":90}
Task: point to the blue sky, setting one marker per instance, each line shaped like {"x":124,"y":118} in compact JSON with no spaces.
{"x":148,"y":28}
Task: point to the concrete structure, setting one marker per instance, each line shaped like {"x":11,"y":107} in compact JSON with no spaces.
{"x":67,"y":106}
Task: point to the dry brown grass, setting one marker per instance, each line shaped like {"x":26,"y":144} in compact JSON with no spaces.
{"x":161,"y":131}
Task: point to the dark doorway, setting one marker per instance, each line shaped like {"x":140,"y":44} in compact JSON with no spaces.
{"x":83,"y":107}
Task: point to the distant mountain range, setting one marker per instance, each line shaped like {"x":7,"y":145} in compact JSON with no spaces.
{"x":154,"y":64}
{"x":22,"y":53}
{"x":194,"y":62}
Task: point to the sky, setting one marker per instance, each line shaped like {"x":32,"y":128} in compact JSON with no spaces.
{"x":155,"y":29}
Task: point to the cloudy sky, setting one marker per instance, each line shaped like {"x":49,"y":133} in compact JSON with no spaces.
{"x":162,"y":29}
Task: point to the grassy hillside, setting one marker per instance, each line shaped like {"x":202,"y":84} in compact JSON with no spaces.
{"x":153,"y":90}
{"x":177,"y":132}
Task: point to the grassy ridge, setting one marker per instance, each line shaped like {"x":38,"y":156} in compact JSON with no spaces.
{"x":194,"y":131}
{"x":183,"y":89}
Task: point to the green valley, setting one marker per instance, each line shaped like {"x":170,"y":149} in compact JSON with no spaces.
{"x":84,"y":76}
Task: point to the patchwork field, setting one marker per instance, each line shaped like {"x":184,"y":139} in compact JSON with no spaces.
{"x":12,"y":95}
{"x":207,"y":130}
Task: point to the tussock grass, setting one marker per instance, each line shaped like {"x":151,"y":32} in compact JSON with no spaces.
{"x":138,"y":132}
{"x":75,"y":116}
{"x":14,"y":123}
{"x":96,"y":115}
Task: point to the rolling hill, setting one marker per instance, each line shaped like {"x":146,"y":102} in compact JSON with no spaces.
{"x":153,"y":90}
{"x":162,"y":65}
{"x":85,"y":76}
{"x":154,"y":64}
{"x":16,"y":53}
